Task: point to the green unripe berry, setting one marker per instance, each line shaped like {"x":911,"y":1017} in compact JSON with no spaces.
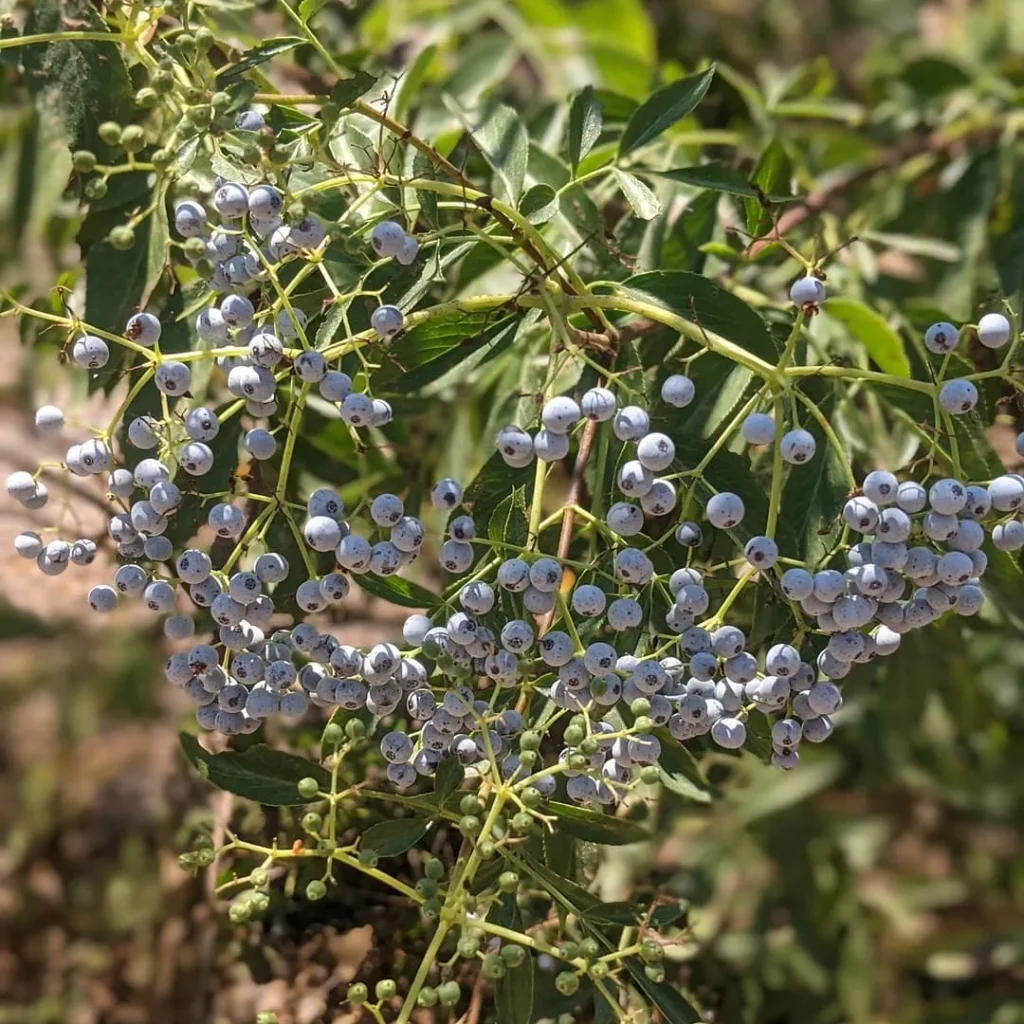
{"x":530,"y":740}
{"x":133,"y":138}
{"x":239,"y":912}
{"x":163,"y":81}
{"x":640,"y":706}
{"x":652,"y":951}
{"x":220,"y":101}
{"x":569,"y":949}
{"x":528,"y":758}
{"x":109,"y":132}
{"x":469,"y":824}
{"x":513,"y":955}
{"x":354,"y":729}
{"x":205,"y":857}
{"x":83,"y":161}
{"x":329,"y":111}
{"x":643,"y":724}
{"x":434,"y":868}
{"x":589,"y":948}
{"x":471,"y":903}
{"x":574,"y":734}
{"x":326,"y":846}
{"x":266,"y":142}
{"x":121,"y":237}
{"x":194,"y":95}
{"x":187,"y":861}
{"x":431,"y":910}
{"x":146,"y":97}
{"x":468,"y":947}
{"x":251,"y":155}
{"x":96,"y":188}
{"x":650,"y":774}
{"x":279,"y":155}
{"x":333,"y":733}
{"x":588,"y":746}
{"x":469,"y":804}
{"x":186,"y":43}
{"x":161,"y":159}
{"x":201,"y":116}
{"x":308,"y":788}
{"x":487,"y":850}
{"x":655,"y":972}
{"x":508,"y":881}
{"x":312,"y":822}
{"x":259,"y":877}
{"x":266,"y":1017}
{"x":316,"y":890}
{"x":385,"y":989}
{"x":427,"y":997}
{"x":204,"y":38}
{"x":357,"y":994}
{"x":448,"y":993}
{"x":493,"y":966}
{"x":531,"y":796}
{"x":205,"y":269}
{"x":522,"y":822}
{"x":599,"y":970}
{"x":259,"y":903}
{"x":368,"y":858}
{"x":567,"y":983}
{"x":577,"y":762}
{"x":426,"y":887}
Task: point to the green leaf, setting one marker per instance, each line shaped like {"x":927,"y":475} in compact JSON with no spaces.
{"x":348,"y":90}
{"x":644,"y":202}
{"x":882,"y":343}
{"x":717,"y":177}
{"x":309,"y":9}
{"x":259,"y":773}
{"x":508,"y":523}
{"x":502,"y":141}
{"x":448,"y":778}
{"x":663,"y":109}
{"x":539,"y":204}
{"x":595,"y":827}
{"x":674,"y":1009}
{"x":701,"y":301}
{"x":619,"y":913}
{"x":390,"y":838}
{"x":397,"y":590}
{"x":680,"y":772}
{"x":258,"y":55}
{"x":585,"y":123}
{"x":771,"y":174}
{"x":514,"y":992}
{"x":493,"y":484}
{"x":692,"y":229}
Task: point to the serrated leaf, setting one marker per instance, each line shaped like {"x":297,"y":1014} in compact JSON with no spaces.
{"x":448,"y":778}
{"x":258,"y":55}
{"x":644,"y":202}
{"x":539,"y":204}
{"x":492,"y":484}
{"x":680,"y":772}
{"x":701,"y":301}
{"x":508,"y":523}
{"x":309,"y":9}
{"x":585,"y":123}
{"x":663,"y":109}
{"x":397,"y":590}
{"x":259,"y":773}
{"x":348,"y":90}
{"x":391,"y":838}
{"x":717,"y":177}
{"x":502,"y":141}
{"x":771,"y":175}
{"x":595,"y":827}
{"x":880,"y":341}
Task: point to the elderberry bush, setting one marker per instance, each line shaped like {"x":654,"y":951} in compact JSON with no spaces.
{"x":646,"y":543}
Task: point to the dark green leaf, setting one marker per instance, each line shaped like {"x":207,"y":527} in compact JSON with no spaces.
{"x":644,"y":202}
{"x":663,"y":109}
{"x":880,"y":341}
{"x":595,"y":827}
{"x":679,"y":770}
{"x":390,"y":838}
{"x":539,"y":204}
{"x":717,"y":177}
{"x":693,"y":228}
{"x":514,"y":992}
{"x":348,"y":90}
{"x":258,"y":55}
{"x":621,"y":914}
{"x":502,"y":141}
{"x":508,"y":523}
{"x":448,"y":778}
{"x":397,"y":590}
{"x":771,"y":175}
{"x":666,"y":914}
{"x":674,"y":1009}
{"x":492,"y":484}
{"x":585,"y":123}
{"x":260,"y":773}
{"x":701,"y":301}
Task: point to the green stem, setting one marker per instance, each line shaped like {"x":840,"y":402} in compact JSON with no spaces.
{"x":63,"y":37}
{"x":775,"y":496}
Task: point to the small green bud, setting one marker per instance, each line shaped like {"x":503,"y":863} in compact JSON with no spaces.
{"x":316,"y":890}
{"x":577,"y":762}
{"x":589,"y":948}
{"x":194,"y":95}
{"x":259,"y":877}
{"x":203,"y":841}
{"x":187,"y":861}
{"x":567,"y":983}
{"x":109,"y":132}
{"x":334,"y":735}
{"x":308,"y":788}
{"x":121,"y":237}
{"x":201,"y":116}
{"x":469,"y":804}
{"x":598,"y":970}
{"x":259,"y":903}
{"x":83,"y":161}
{"x":427,"y":997}
{"x":133,"y":138}
{"x":508,"y":881}
{"x":368,"y":858}
{"x":205,"y":857}
{"x":312,"y":822}
{"x":493,"y":966}
{"x":588,"y":746}
{"x":385,"y":989}
{"x":468,"y":947}
{"x":522,"y":822}
{"x":355,"y":729}
{"x":530,"y":740}
{"x":448,"y":993}
{"x":434,"y":868}
{"x":469,"y":824}
{"x":528,"y":758}
{"x":205,"y":269}
{"x":146,"y":97}
{"x":357,"y":994}
{"x":569,"y":949}
{"x":574,"y":735}
{"x":186,"y":44}
{"x":650,"y":774}
{"x":655,"y":973}
{"x":239,"y":912}
{"x":279,"y":155}
{"x":652,"y":951}
{"x":643,"y":724}
{"x":531,"y":796}
{"x":220,"y":101}
{"x":326,"y":846}
{"x":431,"y":910}
{"x":95,"y":188}
{"x":204,"y":38}
{"x":161,"y":159}
{"x":640,"y":706}
{"x":513,"y":955}
{"x":163,"y":81}
{"x":426,"y":887}
{"x":487,"y":850}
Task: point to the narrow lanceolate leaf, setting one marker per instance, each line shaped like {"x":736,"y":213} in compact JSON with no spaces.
{"x":595,"y":827}
{"x":260,"y":773}
{"x":258,"y":55}
{"x":720,"y":178}
{"x":644,"y":202}
{"x":771,"y":174}
{"x":664,"y":109}
{"x":397,"y":590}
{"x":680,"y":772}
{"x":390,"y":838}
{"x":448,"y":778}
{"x":513,"y":993}
{"x":539,"y":204}
{"x":880,"y":341}
{"x":585,"y":122}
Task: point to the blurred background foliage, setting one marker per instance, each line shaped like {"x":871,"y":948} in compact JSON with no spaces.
{"x":881,"y":882}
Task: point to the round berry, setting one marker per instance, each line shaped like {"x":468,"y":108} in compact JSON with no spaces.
{"x":677,"y":391}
